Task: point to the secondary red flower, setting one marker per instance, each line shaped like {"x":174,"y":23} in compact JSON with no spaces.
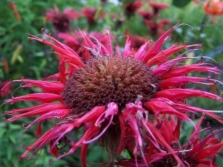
{"x":112,"y":96}
{"x":131,"y":7}
{"x":197,"y":152}
{"x":157,"y":7}
{"x":92,"y":14}
{"x":61,"y":20}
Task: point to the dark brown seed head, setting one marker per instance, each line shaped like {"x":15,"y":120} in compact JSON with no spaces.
{"x":109,"y":79}
{"x":61,"y":22}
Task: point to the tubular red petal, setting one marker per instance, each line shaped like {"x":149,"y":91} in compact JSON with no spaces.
{"x":164,"y":68}
{"x":174,"y":94}
{"x":38,"y":129}
{"x":184,"y":70}
{"x":40,"y":97}
{"x":60,"y":114}
{"x":52,"y":134}
{"x":117,"y":50}
{"x":165,"y":54}
{"x":181,"y":81}
{"x":87,"y":40}
{"x":127,"y":50}
{"x":109,"y":42}
{"x":62,"y":71}
{"x":36,"y":110}
{"x":160,"y":138}
{"x":50,"y":87}
{"x":156,"y":48}
{"x":84,"y":155}
{"x":142,"y":51}
{"x":122,"y":138}
{"x":89,"y":133}
{"x":185,"y":107}
{"x":201,"y":150}
{"x":138,"y":139}
{"x":64,"y":51}
{"x":162,"y":107}
{"x":53,"y":150}
{"x":92,"y":115}
{"x":15,"y":111}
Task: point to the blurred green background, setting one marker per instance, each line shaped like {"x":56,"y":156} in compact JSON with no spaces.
{"x":20,"y":57}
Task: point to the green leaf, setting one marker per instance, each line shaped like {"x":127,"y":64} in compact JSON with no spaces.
{"x":180,"y":3}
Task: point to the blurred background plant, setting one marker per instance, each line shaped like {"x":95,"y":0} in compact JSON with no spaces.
{"x":140,"y":20}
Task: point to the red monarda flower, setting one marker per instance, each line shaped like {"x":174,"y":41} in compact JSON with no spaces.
{"x":157,"y":7}
{"x":61,"y":20}
{"x":132,"y":7}
{"x":147,"y":15}
{"x":196,"y":152}
{"x":91,"y":14}
{"x":202,"y":152}
{"x":157,"y":28}
{"x":112,"y":96}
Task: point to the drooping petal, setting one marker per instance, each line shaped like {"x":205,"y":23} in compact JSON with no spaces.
{"x":177,"y":93}
{"x":41,"y":97}
{"x":49,"y":87}
{"x":184,"y":70}
{"x":33,"y":111}
{"x":159,"y":107}
{"x":84,"y":155}
{"x":64,"y":51}
{"x":52,"y":134}
{"x":182,"y":80}
{"x":60,"y":114}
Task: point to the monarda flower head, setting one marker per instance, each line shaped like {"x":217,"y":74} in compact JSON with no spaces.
{"x":131,"y":7}
{"x":92,"y":14}
{"x":112,"y":96}
{"x":61,"y":20}
{"x":197,"y":152}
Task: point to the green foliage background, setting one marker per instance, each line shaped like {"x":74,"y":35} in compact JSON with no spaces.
{"x":34,"y":60}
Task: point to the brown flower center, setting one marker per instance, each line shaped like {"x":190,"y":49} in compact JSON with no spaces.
{"x":109,"y":79}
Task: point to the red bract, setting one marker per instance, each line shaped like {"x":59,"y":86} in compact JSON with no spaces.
{"x":61,"y":20}
{"x":112,"y":97}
